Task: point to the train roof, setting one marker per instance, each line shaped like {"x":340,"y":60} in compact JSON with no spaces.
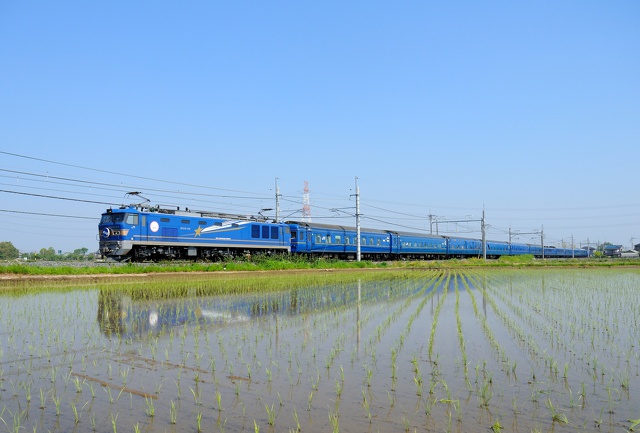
{"x":422,"y":235}
{"x":334,"y":227}
{"x":188,"y":212}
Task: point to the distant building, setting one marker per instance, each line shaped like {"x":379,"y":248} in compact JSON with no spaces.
{"x":613,"y":250}
{"x":636,"y":247}
{"x":629,"y":254}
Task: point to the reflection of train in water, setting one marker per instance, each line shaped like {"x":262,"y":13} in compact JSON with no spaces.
{"x":120,"y":313}
{"x":140,"y":232}
{"x":127,"y":314}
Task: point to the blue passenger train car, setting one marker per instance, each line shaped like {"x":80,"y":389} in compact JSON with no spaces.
{"x":332,"y":241}
{"x":463,"y":247}
{"x":419,"y":246}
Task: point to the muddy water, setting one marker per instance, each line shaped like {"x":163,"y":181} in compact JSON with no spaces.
{"x":453,"y":351}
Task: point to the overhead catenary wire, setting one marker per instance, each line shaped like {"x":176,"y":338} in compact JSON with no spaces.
{"x":239,"y":201}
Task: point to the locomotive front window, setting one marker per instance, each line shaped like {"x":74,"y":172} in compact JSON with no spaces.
{"x":132,"y":219}
{"x":112,"y":218}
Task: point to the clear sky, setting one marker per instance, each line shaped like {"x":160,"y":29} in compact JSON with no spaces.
{"x":530,"y":109}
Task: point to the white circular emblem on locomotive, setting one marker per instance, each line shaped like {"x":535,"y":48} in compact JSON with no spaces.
{"x":106,"y":232}
{"x":154,"y":226}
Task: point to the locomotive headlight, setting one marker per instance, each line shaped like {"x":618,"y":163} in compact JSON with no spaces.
{"x":124,"y":232}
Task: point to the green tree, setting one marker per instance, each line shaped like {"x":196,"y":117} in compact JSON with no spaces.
{"x":78,"y":254}
{"x":47,"y":253}
{"x":8,"y":251}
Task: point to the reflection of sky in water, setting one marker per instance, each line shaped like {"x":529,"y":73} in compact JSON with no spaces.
{"x":48,"y":322}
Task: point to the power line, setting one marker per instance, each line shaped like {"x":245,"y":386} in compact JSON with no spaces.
{"x":117,"y":173}
{"x":59,"y":198}
{"x":48,"y":214}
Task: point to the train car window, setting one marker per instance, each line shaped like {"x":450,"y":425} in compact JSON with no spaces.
{"x":132,"y":219}
{"x":294,"y":236}
{"x":186,"y":222}
{"x":347,"y":240}
{"x":274,"y":233}
{"x":318,"y":239}
{"x":302,"y":236}
{"x":255,"y":231}
{"x":218,"y":223}
{"x":328,"y":239}
{"x":202,"y":223}
{"x":338,"y":239}
{"x":363,"y":241}
{"x":165,"y":220}
{"x":371,"y":241}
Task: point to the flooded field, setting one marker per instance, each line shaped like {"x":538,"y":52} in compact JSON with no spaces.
{"x":459,"y":351}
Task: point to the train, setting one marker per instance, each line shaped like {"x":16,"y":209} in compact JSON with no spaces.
{"x":140,"y":232}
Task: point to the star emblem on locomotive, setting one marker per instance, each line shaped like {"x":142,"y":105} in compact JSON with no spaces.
{"x":198,"y":231}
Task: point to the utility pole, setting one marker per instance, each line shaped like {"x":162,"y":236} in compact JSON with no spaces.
{"x":357,"y":221}
{"x":484,"y":237}
{"x":542,"y":239}
{"x":277,"y":201}
{"x":573,"y":253}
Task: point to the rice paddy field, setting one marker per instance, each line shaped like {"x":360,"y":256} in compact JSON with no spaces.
{"x":433,"y":350}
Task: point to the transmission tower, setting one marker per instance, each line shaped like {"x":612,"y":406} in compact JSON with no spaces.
{"x":306,"y":208}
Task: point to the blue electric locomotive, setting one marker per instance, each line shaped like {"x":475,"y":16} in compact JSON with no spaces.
{"x":143,"y":233}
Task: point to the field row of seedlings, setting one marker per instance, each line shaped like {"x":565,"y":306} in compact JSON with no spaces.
{"x":582,"y":335}
{"x":446,"y":350}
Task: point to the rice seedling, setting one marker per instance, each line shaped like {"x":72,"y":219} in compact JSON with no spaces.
{"x":496,"y":427}
{"x":271,"y":415}
{"x":114,"y":423}
{"x":199,"y":421}
{"x":218,"y":400}
{"x":555,"y":415}
{"x":335,"y":421}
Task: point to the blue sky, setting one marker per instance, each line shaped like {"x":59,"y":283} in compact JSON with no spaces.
{"x":529,"y":109}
